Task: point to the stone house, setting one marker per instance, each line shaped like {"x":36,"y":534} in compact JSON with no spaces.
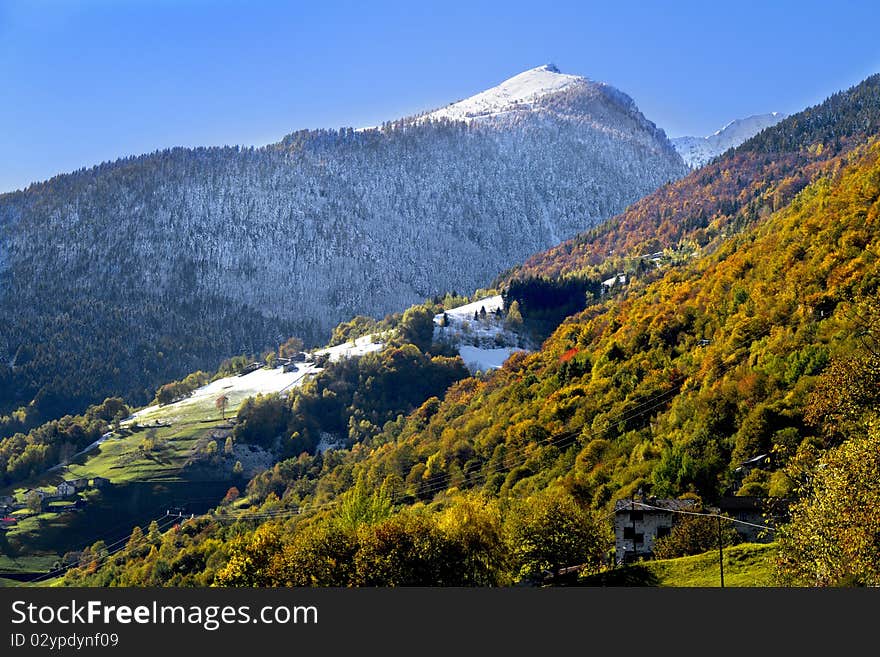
{"x":752,"y":511}
{"x":65,"y":489}
{"x":639,"y":522}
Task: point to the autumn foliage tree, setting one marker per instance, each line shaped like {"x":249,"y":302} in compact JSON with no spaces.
{"x":221,"y":403}
{"x":832,"y":539}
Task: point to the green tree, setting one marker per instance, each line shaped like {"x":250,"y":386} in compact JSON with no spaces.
{"x":551,"y":531}
{"x":137,"y":545}
{"x":360,"y":505}
{"x":154,"y":536}
{"x":261,"y":419}
{"x":407,"y":549}
{"x":694,"y":535}
{"x":34,"y":501}
{"x":320,"y":554}
{"x":417,"y":327}
{"x":514,"y":320}
{"x":473,"y":522}
{"x":253,"y":559}
{"x":150,"y":442}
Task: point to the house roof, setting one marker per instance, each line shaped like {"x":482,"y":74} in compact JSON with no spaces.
{"x":654,"y":505}
{"x":741,"y":503}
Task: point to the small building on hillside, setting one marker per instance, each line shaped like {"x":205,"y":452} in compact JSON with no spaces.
{"x":638,"y":522}
{"x":100,"y":482}
{"x":41,"y":496}
{"x":65,"y":489}
{"x":252,"y":367}
{"x":756,"y":517}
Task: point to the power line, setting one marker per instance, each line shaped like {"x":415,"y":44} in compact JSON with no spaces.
{"x":706,"y":515}
{"x":506,"y":464}
{"x":113,"y":549}
{"x":640,"y":409}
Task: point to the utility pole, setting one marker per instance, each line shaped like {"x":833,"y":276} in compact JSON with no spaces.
{"x":720,"y":552}
{"x":632,"y":517}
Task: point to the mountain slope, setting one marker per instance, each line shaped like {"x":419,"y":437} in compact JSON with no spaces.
{"x":698,"y":366}
{"x":740,"y":188}
{"x":667,"y":390}
{"x":134,"y":272}
{"x":697,"y":151}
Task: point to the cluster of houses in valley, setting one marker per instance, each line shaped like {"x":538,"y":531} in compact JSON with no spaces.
{"x":66,"y":490}
{"x":289,"y":364}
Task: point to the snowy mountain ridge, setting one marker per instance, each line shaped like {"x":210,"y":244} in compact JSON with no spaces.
{"x":518,"y":93}
{"x":697,"y":151}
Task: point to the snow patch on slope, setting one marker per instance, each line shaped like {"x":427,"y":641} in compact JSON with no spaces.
{"x":481,"y":338}
{"x":237,"y":388}
{"x":477,"y":358}
{"x":263,"y":381}
{"x":350,"y":349}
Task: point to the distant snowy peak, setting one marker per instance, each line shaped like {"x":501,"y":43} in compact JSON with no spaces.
{"x":523,"y":92}
{"x":746,"y":128}
{"x":697,"y":151}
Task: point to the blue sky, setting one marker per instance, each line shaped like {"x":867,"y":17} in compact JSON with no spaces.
{"x":86,"y":81}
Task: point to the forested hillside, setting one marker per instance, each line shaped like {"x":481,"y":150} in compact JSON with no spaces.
{"x":737,"y":190}
{"x":760,"y":339}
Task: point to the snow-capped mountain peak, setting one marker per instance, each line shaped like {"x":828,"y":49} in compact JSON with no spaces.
{"x":697,"y":151}
{"x":516,"y":93}
{"x":747,"y":127}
